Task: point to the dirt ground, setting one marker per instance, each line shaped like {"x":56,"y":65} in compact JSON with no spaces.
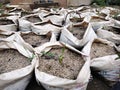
{"x":34,"y":19}
{"x":97,"y":48}
{"x":10,"y":57}
{"x":35,"y":40}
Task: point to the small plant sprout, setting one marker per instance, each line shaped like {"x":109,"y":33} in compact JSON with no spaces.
{"x":31,"y":58}
{"x":48,"y":54}
{"x":1,"y":5}
{"x":43,"y":53}
{"x":118,"y":53}
{"x":61,"y":56}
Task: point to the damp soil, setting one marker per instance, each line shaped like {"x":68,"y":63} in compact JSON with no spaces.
{"x":78,"y":31}
{"x":34,"y":39}
{"x":99,"y":50}
{"x":68,"y":68}
{"x":34,"y":19}
{"x":5,"y":22}
{"x":11,"y":60}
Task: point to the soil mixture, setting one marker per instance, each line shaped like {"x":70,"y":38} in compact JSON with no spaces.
{"x":68,"y":68}
{"x":99,"y":50}
{"x":114,"y":30}
{"x":6,"y":22}
{"x":34,"y":39}
{"x":97,"y":19}
{"x":34,"y":19}
{"x":25,"y":13}
{"x":76,"y":20}
{"x":78,"y":31}
{"x":11,"y":60}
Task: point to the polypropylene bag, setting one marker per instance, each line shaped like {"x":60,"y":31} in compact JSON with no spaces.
{"x":69,"y":38}
{"x":108,"y":35}
{"x":51,"y":82}
{"x":55,"y":19}
{"x":106,"y":66}
{"x":17,"y":79}
{"x":24,"y":24}
{"x":45,"y":27}
{"x":8,"y":27}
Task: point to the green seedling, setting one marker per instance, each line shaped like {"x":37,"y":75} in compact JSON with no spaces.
{"x":1,"y":5}
{"x":61,"y":56}
{"x":31,"y":58}
{"x":118,"y":53}
{"x":47,"y":54}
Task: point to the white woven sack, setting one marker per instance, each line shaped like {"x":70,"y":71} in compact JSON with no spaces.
{"x":51,"y":82}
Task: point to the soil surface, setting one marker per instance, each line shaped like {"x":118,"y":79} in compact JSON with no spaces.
{"x":69,"y":67}
{"x":11,"y":60}
{"x":100,"y":49}
{"x":78,"y":31}
{"x":34,"y":19}
{"x":76,"y":20}
{"x":25,"y":13}
{"x":97,"y":19}
{"x":34,"y":39}
{"x":5,"y":22}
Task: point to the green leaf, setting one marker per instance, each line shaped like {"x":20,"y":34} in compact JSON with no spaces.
{"x":1,"y":5}
{"x":118,"y":53}
{"x":31,"y":58}
{"x":61,"y":57}
{"x":47,"y":54}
